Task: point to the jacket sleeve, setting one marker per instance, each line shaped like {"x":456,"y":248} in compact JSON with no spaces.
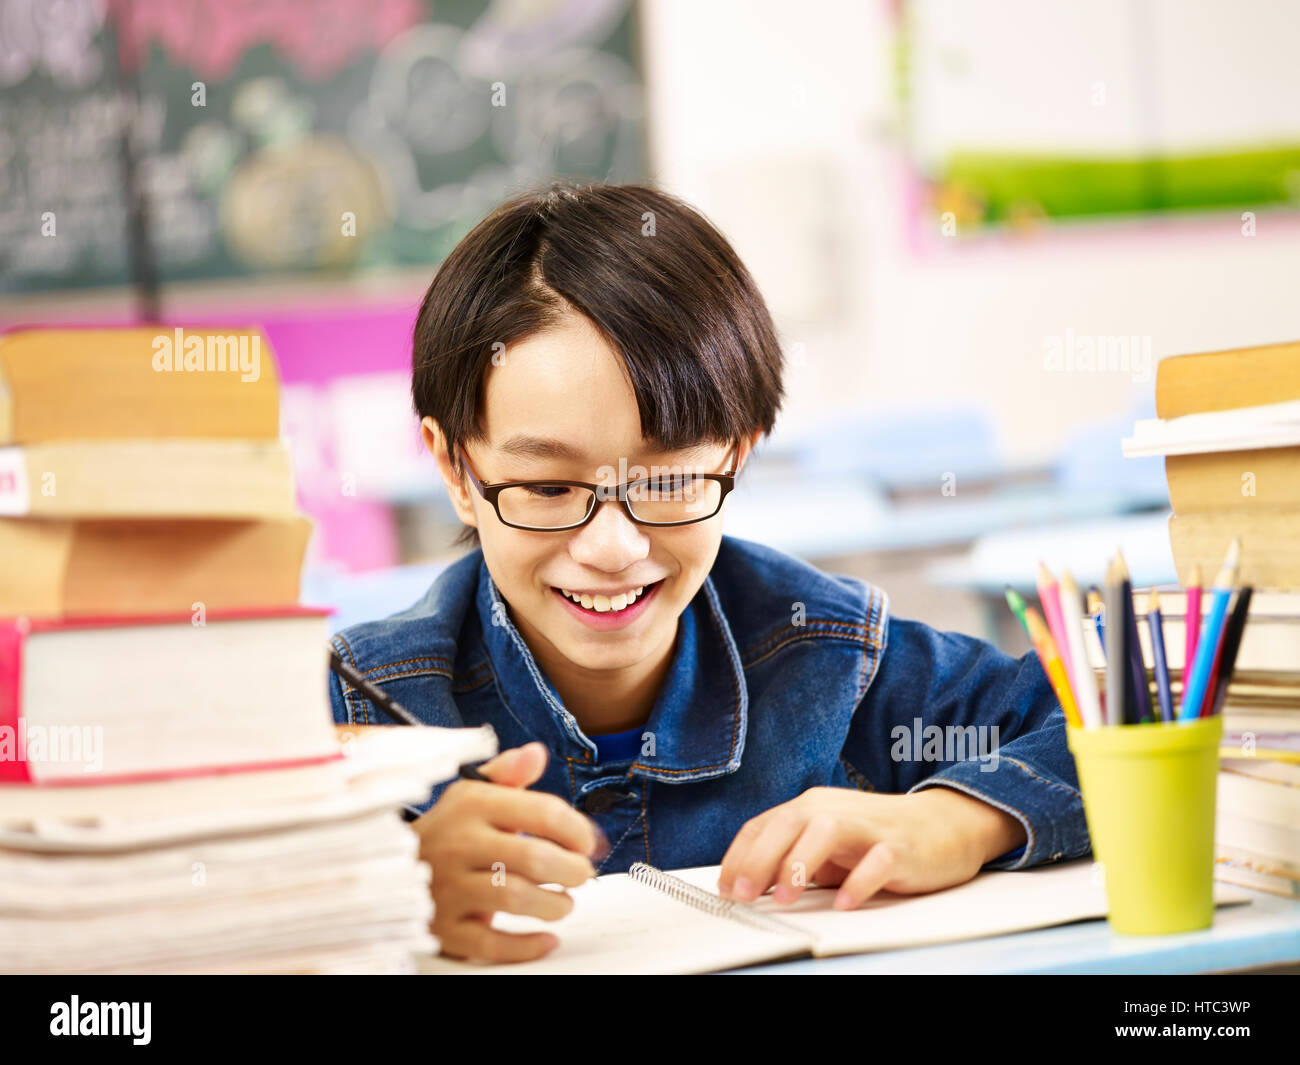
{"x":949,"y":710}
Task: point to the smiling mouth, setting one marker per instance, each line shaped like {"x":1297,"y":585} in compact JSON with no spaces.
{"x":603,"y":605}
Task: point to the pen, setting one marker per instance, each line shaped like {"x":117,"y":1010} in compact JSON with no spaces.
{"x":384,"y":702}
{"x":402,"y":716}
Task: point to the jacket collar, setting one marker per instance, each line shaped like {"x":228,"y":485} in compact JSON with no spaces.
{"x":698,"y":723}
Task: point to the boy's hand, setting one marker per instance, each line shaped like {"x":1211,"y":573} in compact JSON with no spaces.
{"x":865,"y":842}
{"x":471,"y":837}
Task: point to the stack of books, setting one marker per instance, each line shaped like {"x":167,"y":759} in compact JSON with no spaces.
{"x":275,"y":870}
{"x":1229,"y":431}
{"x":173,"y":794}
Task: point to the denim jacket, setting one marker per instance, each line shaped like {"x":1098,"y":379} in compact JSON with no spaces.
{"x":783,"y":678}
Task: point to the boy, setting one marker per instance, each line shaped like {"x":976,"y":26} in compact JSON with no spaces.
{"x":593,"y":366}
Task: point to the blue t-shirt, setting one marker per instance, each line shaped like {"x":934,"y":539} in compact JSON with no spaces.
{"x":618,"y":746}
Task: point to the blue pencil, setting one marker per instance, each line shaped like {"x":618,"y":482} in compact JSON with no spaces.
{"x":1196,"y":679}
{"x":1094,"y":608}
{"x":1156,"y":625}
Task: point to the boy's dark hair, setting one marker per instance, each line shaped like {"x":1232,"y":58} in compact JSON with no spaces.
{"x":661,"y":284}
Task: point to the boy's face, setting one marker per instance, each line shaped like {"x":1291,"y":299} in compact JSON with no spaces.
{"x":567,"y":386}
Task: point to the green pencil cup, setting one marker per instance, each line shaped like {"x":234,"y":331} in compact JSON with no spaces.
{"x":1148,"y":793}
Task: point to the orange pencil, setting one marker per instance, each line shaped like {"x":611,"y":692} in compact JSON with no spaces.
{"x":1052,"y":665}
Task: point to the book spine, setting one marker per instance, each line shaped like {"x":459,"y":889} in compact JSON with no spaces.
{"x":14,"y":768}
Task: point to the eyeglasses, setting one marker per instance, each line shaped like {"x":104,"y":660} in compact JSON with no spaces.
{"x":663,"y":499}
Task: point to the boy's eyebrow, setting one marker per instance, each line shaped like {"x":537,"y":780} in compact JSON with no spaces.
{"x":540,"y":447}
{"x":543,"y":447}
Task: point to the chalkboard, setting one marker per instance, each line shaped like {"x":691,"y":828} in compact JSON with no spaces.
{"x":278,"y":137}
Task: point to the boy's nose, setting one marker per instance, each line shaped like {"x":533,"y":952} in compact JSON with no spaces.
{"x":611,"y":541}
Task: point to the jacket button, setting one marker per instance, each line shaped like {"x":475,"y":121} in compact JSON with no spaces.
{"x":602,"y":800}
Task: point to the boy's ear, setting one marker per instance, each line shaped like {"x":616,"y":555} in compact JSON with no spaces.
{"x":458,"y":487}
{"x":747,"y":445}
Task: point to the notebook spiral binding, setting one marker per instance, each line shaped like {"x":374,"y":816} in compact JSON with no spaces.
{"x":676,"y":888}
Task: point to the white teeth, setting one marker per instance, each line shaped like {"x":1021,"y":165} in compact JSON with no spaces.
{"x":603,"y":604}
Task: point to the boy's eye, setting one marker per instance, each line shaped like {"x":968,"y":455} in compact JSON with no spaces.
{"x":547,"y":491}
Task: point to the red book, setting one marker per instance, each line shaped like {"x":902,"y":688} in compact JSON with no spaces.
{"x":114,"y":700}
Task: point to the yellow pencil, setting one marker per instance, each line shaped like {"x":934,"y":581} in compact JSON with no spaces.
{"x":1050,"y":657}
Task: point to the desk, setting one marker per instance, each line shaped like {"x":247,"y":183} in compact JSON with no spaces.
{"x":1263,"y":932}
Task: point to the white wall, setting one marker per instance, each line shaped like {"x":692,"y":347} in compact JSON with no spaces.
{"x":774,"y":119}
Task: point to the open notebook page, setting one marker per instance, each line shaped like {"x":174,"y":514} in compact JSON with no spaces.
{"x":620,"y":925}
{"x":993,"y":903}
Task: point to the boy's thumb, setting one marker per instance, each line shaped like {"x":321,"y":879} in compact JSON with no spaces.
{"x":518,"y":767}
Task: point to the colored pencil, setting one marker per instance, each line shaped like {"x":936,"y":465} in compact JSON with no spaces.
{"x":1049,"y":596}
{"x":1083,"y":682}
{"x":1094,"y":610}
{"x":1211,"y":686}
{"x":1191,"y":620}
{"x":1140,"y":711}
{"x":1050,"y":658}
{"x":1231,"y":645}
{"x":1017,"y":605}
{"x":1117,"y":660}
{"x":1197,"y":678}
{"x":1156,"y":629}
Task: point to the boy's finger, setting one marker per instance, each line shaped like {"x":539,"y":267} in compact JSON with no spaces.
{"x":518,"y":767}
{"x":878,"y":866}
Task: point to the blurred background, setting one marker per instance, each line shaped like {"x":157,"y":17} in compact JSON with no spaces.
{"x":978,"y":227}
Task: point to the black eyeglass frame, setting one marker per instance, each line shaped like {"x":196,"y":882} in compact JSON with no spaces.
{"x":490,"y":492}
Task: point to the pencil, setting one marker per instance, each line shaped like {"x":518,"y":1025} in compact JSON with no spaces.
{"x":1211,"y":685}
{"x":1231,"y":645}
{"x":1196,"y":679}
{"x":1095,"y":612}
{"x":1050,"y":658}
{"x":1117,"y":662}
{"x":1049,"y":596}
{"x":1083,"y":682}
{"x":1140,"y":711}
{"x":1191,"y":621}
{"x":1017,"y":605}
{"x":1094,"y":608}
{"x":1156,"y":628}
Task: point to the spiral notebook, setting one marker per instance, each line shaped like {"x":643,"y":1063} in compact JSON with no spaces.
{"x":650,"y":921}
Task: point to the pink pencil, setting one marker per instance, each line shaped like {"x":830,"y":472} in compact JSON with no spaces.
{"x":1192,"y":620}
{"x":1049,"y":596}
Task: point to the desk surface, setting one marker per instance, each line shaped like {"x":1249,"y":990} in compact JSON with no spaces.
{"x":1263,"y":932}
